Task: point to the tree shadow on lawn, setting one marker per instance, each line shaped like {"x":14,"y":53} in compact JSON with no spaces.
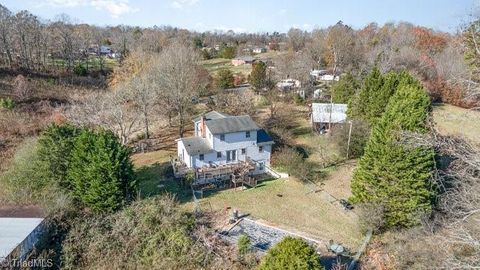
{"x":157,"y":179}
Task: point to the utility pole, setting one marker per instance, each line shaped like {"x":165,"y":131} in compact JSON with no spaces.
{"x":349,"y":136}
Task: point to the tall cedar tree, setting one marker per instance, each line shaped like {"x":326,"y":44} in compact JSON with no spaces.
{"x":344,"y":89}
{"x":375,"y":94}
{"x":291,"y":253}
{"x":225,"y":79}
{"x":101,"y":171}
{"x":258,"y":77}
{"x":55,"y":146}
{"x":394,"y":175}
{"x":359,"y":106}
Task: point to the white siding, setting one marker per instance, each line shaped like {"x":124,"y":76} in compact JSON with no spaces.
{"x":183,"y":155}
{"x":234,"y":141}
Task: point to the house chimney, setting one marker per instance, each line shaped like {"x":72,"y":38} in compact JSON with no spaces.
{"x":202,"y":126}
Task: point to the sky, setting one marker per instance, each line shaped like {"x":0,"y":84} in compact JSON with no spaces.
{"x":254,"y":15}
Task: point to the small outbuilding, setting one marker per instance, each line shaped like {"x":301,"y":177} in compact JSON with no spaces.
{"x":324,"y":115}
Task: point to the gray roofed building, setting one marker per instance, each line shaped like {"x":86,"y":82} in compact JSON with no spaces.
{"x":329,"y":113}
{"x":211,"y":115}
{"x":231,"y":124}
{"x":196,"y":145}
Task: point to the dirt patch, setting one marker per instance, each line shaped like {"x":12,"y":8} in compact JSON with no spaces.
{"x":31,"y":211}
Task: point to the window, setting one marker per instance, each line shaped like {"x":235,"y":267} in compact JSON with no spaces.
{"x":247,"y":134}
{"x":231,"y":155}
{"x":244,"y":151}
{"x":260,"y":149}
{"x":202,"y":157}
{"x":222,"y":137}
{"x":219,"y":154}
{"x":261,"y":166}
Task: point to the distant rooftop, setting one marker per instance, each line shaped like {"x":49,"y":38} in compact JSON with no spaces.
{"x":211,"y":115}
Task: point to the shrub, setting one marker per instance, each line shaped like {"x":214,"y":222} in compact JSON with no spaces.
{"x":358,"y":138}
{"x":291,"y":253}
{"x":7,"y":103}
{"x":244,"y":245}
{"x":293,"y":162}
{"x":80,"y":70}
{"x":100,"y":171}
{"x":224,"y":79}
{"x":149,"y":234}
{"x":227,"y":52}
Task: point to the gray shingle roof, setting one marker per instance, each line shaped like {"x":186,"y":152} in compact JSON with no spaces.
{"x":196,"y":145}
{"x":321,"y":112}
{"x":231,"y":124}
{"x":211,"y":115}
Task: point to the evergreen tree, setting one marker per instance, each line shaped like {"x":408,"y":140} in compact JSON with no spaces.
{"x":375,"y":94}
{"x":394,"y":175}
{"x":258,"y":76}
{"x":55,"y":146}
{"x":100,"y":171}
{"x":344,"y":89}
{"x":359,"y":106}
{"x":225,"y":79}
{"x":291,"y":253}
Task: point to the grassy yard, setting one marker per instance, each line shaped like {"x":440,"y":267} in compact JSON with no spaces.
{"x":216,"y":64}
{"x":291,"y":205}
{"x":155,"y":177}
{"x":452,"y":120}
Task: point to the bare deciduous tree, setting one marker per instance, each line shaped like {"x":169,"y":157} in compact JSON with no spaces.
{"x":176,"y":72}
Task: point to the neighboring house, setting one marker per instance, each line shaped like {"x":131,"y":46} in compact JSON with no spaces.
{"x":324,"y":115}
{"x":222,"y":142}
{"x":288,"y":84}
{"x":259,"y":50}
{"x":105,"y":50}
{"x":242,"y":60}
{"x":323,"y":75}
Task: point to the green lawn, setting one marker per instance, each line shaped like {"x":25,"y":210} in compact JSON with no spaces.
{"x":291,"y":205}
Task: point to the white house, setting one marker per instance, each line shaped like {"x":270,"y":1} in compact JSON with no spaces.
{"x":323,"y":75}
{"x":288,"y":84}
{"x":323,"y":114}
{"x":259,"y":50}
{"x":221,"y":140}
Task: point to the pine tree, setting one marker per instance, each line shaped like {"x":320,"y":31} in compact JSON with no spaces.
{"x":55,"y":146}
{"x":344,"y":89}
{"x":258,"y":76}
{"x":100,"y":171}
{"x":394,"y":175}
{"x":359,"y":106}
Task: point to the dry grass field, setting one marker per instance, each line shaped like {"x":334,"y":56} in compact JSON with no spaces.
{"x":452,"y":120}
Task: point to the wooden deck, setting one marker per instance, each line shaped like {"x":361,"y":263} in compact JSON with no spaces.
{"x":237,"y":173}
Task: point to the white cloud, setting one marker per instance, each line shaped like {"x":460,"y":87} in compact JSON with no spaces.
{"x":116,"y":8}
{"x":180,"y":4}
